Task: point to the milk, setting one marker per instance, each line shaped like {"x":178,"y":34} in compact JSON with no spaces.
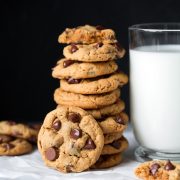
{"x":155,"y":96}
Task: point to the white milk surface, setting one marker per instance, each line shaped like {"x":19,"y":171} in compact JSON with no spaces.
{"x":155,"y":96}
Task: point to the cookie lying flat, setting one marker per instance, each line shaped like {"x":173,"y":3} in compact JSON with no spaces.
{"x":85,"y":101}
{"x":106,"y":111}
{"x":18,"y":130}
{"x":95,"y":85}
{"x":66,"y":69}
{"x":109,"y":138}
{"x":117,"y":146}
{"x":87,"y":35}
{"x":70,"y":140}
{"x":114,"y":124}
{"x":13,"y":146}
{"x":94,"y":52}
{"x":107,"y":161}
{"x":158,"y":170}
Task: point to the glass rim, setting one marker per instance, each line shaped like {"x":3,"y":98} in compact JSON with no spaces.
{"x":156,"y":27}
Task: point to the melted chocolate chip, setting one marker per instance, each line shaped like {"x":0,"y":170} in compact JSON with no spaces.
{"x":73,"y":81}
{"x":56,"y":125}
{"x":68,"y":63}
{"x":118,"y":46}
{"x":119,"y":119}
{"x":98,"y":45}
{"x":33,"y":139}
{"x":75,"y":133}
{"x":74,"y":48}
{"x":99,"y":27}
{"x":116,"y":144}
{"x":89,"y":144}
{"x":69,"y":168}
{"x":8,"y":146}
{"x":169,"y":166}
{"x":74,"y":117}
{"x":51,"y":154}
{"x":154,"y":168}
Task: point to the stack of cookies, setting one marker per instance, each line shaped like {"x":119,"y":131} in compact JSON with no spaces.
{"x":16,"y":138}
{"x":90,"y":79}
{"x":85,"y":130}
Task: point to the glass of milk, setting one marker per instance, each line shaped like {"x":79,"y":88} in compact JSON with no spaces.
{"x":155,"y":89}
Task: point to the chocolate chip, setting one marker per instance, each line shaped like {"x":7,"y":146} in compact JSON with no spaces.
{"x":68,"y":63}
{"x":154,"y":168}
{"x":89,"y":144}
{"x":69,"y":168}
{"x":11,"y":123}
{"x":116,"y":144}
{"x":74,"y":48}
{"x":56,"y":125}
{"x":8,"y":146}
{"x":169,"y":166}
{"x":75,"y":133}
{"x":74,"y":117}
{"x":118,"y":46}
{"x":73,"y":81}
{"x":51,"y":154}
{"x":99,"y":27}
{"x":120,"y":120}
{"x":98,"y":45}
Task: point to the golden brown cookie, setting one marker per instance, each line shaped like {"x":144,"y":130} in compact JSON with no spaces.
{"x":19,"y":130}
{"x":97,"y":85}
{"x":158,"y":170}
{"x":96,"y":52}
{"x":10,"y":146}
{"x":87,"y":35}
{"x":70,"y":140}
{"x":117,"y":146}
{"x":107,"y":161}
{"x":107,"y":111}
{"x":109,"y":138}
{"x":66,"y":69}
{"x":114,"y":124}
{"x":85,"y":101}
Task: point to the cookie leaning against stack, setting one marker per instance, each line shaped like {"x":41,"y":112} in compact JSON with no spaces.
{"x":89,"y":79}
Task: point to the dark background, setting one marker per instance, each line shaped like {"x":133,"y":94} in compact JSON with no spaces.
{"x":29,"y":47}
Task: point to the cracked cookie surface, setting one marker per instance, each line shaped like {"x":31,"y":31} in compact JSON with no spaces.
{"x":87,"y":35}
{"x":94,"y":52}
{"x":66,"y":69}
{"x":85,"y":101}
{"x":70,"y":140}
{"x":97,"y":85}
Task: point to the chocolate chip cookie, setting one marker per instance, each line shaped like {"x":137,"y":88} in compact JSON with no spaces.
{"x":66,"y":69}
{"x":14,"y":129}
{"x":93,"y":52}
{"x":107,"y":111}
{"x":87,"y":35}
{"x":97,"y":85}
{"x":10,"y":146}
{"x":107,"y":161}
{"x":109,"y":138}
{"x":117,"y":146}
{"x":70,"y":140}
{"x":85,"y":101}
{"x":114,"y":124}
{"x":158,"y":170}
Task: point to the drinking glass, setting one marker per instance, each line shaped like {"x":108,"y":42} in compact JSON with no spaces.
{"x":155,"y":89}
